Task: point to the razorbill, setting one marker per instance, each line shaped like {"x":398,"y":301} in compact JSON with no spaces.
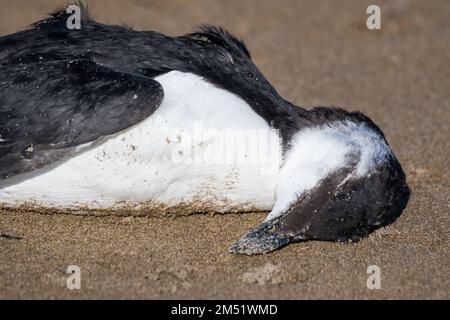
{"x":106,"y":117}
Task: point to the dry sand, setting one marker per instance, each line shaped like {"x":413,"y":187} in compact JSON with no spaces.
{"x":315,"y":53}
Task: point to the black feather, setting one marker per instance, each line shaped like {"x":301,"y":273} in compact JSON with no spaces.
{"x":220,"y":37}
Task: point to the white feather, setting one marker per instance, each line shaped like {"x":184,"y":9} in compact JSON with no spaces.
{"x":317,"y":152}
{"x":149,"y":162}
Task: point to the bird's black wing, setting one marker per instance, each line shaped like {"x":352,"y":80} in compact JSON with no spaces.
{"x":49,"y":108}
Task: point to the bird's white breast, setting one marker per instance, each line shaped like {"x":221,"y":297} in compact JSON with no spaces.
{"x":203,"y":145}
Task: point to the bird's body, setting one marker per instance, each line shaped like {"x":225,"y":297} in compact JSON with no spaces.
{"x":172,"y":159}
{"x":107,"y":117}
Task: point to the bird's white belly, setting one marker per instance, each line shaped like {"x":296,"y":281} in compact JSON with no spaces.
{"x":203,"y":149}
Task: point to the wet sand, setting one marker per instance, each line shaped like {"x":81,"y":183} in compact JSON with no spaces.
{"x":314,"y":53}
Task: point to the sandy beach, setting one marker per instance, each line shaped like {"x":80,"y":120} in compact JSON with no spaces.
{"x":314,"y":53}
